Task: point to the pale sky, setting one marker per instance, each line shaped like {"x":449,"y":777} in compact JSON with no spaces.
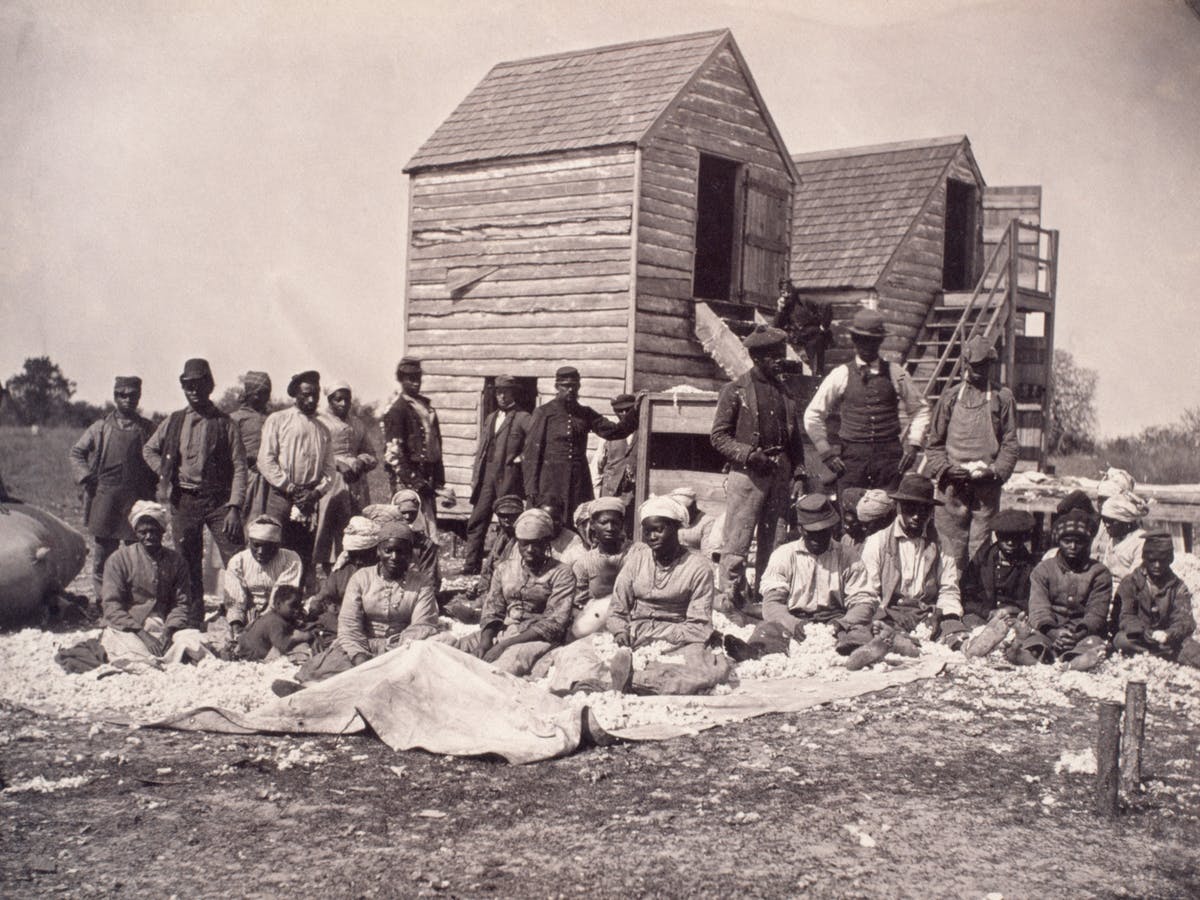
{"x":222,"y":179}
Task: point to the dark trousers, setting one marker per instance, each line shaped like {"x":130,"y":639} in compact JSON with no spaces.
{"x":105,"y":547}
{"x":190,"y":515}
{"x":871,"y":464}
{"x":964,"y":522}
{"x":477,"y":524}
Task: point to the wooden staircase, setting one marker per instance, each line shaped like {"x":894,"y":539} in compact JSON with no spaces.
{"x":1019,"y":278}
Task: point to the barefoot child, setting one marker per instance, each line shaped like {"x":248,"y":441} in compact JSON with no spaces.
{"x":1154,"y":607}
{"x":277,"y":628}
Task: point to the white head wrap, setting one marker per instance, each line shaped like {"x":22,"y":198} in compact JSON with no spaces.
{"x":265,"y":528}
{"x":667,"y":507}
{"x":334,"y":386}
{"x":874,"y":504}
{"x":1115,"y":481}
{"x":360,"y":534}
{"x":1125,"y":507}
{"x":148,"y":508}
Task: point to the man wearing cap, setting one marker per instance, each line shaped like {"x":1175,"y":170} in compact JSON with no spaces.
{"x":249,"y":418}
{"x":497,"y":469}
{"x":905,"y":576}
{"x":1154,"y":607}
{"x":412,"y":440}
{"x":971,"y":452}
{"x":756,"y":428}
{"x":107,"y":464}
{"x":997,"y":580}
{"x":805,"y":580}
{"x":554,"y":461}
{"x":201,"y":465}
{"x":296,"y":460}
{"x":868,"y":394}
{"x":615,"y":461}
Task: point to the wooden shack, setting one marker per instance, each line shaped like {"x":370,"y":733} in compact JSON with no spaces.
{"x":574,"y":207}
{"x":913,"y":230}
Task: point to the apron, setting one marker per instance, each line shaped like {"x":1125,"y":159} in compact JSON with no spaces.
{"x":971,"y":435}
{"x":123,"y":478}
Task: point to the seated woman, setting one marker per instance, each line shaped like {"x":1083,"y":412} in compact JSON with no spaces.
{"x":359,"y":541}
{"x":1155,"y":607}
{"x":1121,"y":515}
{"x":582,"y":521}
{"x":145,"y":595}
{"x":252,"y":573}
{"x":696,"y":530}
{"x":528,"y":606}
{"x":385,"y":605}
{"x":997,"y":579}
{"x":565,"y":545}
{"x":425,"y":549}
{"x":596,"y":571}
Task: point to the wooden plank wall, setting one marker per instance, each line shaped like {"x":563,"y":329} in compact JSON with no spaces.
{"x":912,"y":281}
{"x":717,"y":115}
{"x":540,"y":252}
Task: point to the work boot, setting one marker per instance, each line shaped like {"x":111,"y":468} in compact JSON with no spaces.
{"x":905,"y":644}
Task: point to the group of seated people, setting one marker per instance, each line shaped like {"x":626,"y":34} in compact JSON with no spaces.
{"x":870,"y":566}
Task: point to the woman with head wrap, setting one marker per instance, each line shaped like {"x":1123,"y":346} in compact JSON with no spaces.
{"x":1121,"y":515}
{"x":359,"y":541}
{"x":425,"y":550}
{"x":697,"y":529}
{"x":385,"y":605}
{"x":1154,"y":607}
{"x":528,"y":607}
{"x":582,"y":520}
{"x":252,"y":573}
{"x":596,"y":570}
{"x":565,"y":545}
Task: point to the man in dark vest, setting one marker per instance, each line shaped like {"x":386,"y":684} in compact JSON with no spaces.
{"x":972,"y":451}
{"x":554,"y":461}
{"x":616,"y":461}
{"x":108,"y":465}
{"x":757,"y":429}
{"x":201,"y":465}
{"x":868,"y":393}
{"x":497,"y":469}
{"x":412,"y":440}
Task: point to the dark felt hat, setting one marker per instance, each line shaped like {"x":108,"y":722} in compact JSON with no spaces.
{"x":127,"y":383}
{"x":766,"y":338}
{"x":978,"y":349}
{"x":1077,"y":499}
{"x":1158,"y":545}
{"x":509,"y":503}
{"x":623,"y":401}
{"x":814,"y":512}
{"x":566,"y":373}
{"x":408,"y":364}
{"x":1013,"y":521}
{"x":868,"y":323}
{"x":309,"y":376}
{"x":195,"y":369}
{"x":506,"y":381}
{"x":916,"y":488}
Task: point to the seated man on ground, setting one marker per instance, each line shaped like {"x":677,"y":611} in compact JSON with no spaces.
{"x":386,"y":605}
{"x":997,"y":580}
{"x":697,"y":530}
{"x":596,"y":570}
{"x":145,"y":596}
{"x":565,"y":545}
{"x":1069,"y":598}
{"x":278,"y":628}
{"x":904,"y":575}
{"x":359,"y":540}
{"x":1155,"y":612}
{"x":254,"y":572}
{"x":1078,"y":501}
{"x":805,"y":581}
{"x":425,"y":553}
{"x":528,"y":607}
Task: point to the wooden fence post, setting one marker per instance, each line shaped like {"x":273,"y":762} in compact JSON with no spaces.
{"x":1108,"y":749}
{"x":1133,"y":735}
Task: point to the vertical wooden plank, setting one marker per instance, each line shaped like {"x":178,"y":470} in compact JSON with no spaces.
{"x":1108,"y":748}
{"x":634,"y":253}
{"x":641,"y":480}
{"x":1133,"y":736}
{"x":408,"y":264}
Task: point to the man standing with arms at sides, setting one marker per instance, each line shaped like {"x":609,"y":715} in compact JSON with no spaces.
{"x":296,"y":460}
{"x":972,"y":451}
{"x":869,"y":393}
{"x":249,"y":418}
{"x":497,"y":471}
{"x":555,"y":457}
{"x":107,"y":463}
{"x":757,"y":429}
{"x":412,"y":440}
{"x":201,"y":465}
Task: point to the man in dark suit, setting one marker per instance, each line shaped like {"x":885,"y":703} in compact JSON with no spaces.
{"x":497,"y":469}
{"x":759,"y":432}
{"x":412,"y":439}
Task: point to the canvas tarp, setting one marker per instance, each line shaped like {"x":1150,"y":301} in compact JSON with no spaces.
{"x":430,"y":696}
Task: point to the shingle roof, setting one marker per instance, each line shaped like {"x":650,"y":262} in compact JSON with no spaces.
{"x":854,"y":207}
{"x":568,"y":101}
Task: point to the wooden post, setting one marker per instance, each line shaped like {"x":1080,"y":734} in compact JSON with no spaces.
{"x":1108,"y":749}
{"x":1133,"y":735}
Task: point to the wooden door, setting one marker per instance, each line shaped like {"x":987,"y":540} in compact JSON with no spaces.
{"x":766,"y":225}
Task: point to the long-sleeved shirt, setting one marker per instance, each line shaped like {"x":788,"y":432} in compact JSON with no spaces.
{"x":595,"y":574}
{"x":993,"y":580}
{"x":1145,"y":606}
{"x":674,"y":605}
{"x":797,"y":582}
{"x":828,"y":399}
{"x":353,"y":453}
{"x":247,"y":584}
{"x":941,"y":453}
{"x":137,"y":585}
{"x":249,"y":422}
{"x":1122,"y":557}
{"x":295,"y":452}
{"x":898,"y":570}
{"x":1060,"y":596}
{"x":377,"y":611}
{"x":194,"y":438}
{"x":524,"y":600}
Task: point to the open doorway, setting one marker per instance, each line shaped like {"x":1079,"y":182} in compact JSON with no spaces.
{"x":958,"y":258}
{"x":526,"y":396}
{"x":716,"y":228}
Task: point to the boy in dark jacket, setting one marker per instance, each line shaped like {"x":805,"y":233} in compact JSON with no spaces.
{"x":1154,"y":607}
{"x":998,"y":576}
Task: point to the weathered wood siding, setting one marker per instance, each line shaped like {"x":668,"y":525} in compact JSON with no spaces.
{"x":518,"y":267}
{"x":845,"y":304}
{"x":719,"y":115}
{"x":912,"y":280}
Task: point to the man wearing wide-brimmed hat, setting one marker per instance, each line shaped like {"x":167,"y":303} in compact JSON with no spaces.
{"x":905,"y":575}
{"x":971,"y":451}
{"x":868,"y":394}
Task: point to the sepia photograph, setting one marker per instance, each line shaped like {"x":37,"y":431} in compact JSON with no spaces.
{"x":536,"y":448}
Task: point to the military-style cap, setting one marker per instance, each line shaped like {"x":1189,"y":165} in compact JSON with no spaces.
{"x":1013,"y":521}
{"x":814,"y":512}
{"x":195,"y":369}
{"x":566,"y":373}
{"x":1158,"y":545}
{"x":978,"y":349}
{"x":766,"y":338}
{"x":623,"y":402}
{"x":127,"y":383}
{"x":408,"y":364}
{"x":868,"y":323}
{"x":307,"y":377}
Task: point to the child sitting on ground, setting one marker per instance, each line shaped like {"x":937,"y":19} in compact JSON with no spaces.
{"x":1154,"y":607}
{"x":276,"y":629}
{"x":997,"y":579}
